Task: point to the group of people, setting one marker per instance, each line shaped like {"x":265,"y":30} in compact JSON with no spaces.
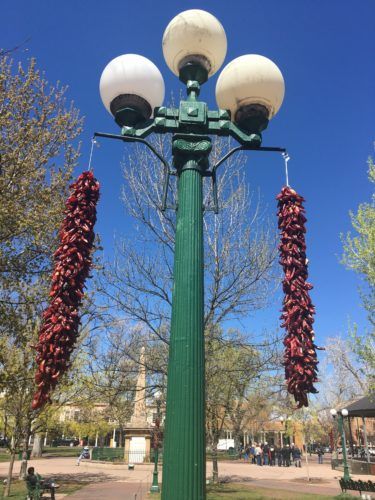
{"x":265,"y":454}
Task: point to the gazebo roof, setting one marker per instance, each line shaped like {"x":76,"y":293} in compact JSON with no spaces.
{"x":363,"y":407}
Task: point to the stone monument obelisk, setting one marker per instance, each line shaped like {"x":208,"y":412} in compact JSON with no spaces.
{"x":138,"y":432}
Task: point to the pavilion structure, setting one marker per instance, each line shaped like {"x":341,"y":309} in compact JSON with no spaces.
{"x":361,"y":418}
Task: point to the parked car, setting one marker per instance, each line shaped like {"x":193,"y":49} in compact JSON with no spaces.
{"x":3,"y":441}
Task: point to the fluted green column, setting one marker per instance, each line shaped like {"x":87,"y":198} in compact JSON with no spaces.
{"x":184,"y":444}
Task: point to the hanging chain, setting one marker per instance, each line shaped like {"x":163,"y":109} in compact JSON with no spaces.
{"x":93,"y":142}
{"x":286,"y":159}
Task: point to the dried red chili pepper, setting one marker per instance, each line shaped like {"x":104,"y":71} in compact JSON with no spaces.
{"x":300,"y":359}
{"x":59,"y":330}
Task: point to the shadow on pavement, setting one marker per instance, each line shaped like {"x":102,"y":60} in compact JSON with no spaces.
{"x":235,"y":479}
{"x":84,"y":478}
{"x":313,"y":480}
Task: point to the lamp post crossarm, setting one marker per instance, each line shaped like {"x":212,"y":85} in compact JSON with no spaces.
{"x":191,"y":121}
{"x":193,"y":117}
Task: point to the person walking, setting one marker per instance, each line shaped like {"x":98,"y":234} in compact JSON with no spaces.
{"x":285,"y":452}
{"x":320,"y":454}
{"x":279,"y":456}
{"x":85,"y":453}
{"x":266,"y":452}
{"x":252,"y":454}
{"x":273,"y":455}
{"x":296,"y":455}
{"x":258,"y":454}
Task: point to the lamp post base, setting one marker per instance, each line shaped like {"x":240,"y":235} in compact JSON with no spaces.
{"x":346,"y":473}
{"x":155,"y":484}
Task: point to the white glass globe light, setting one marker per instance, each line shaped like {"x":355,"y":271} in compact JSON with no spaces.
{"x":344,"y":412}
{"x":250,"y":79}
{"x":132,"y":75}
{"x":333,"y":412}
{"x":194,"y":36}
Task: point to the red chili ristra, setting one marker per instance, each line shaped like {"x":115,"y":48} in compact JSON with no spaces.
{"x":59,"y":330}
{"x":300,"y":359}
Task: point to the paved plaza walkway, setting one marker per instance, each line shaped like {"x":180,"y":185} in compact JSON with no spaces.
{"x":113,"y":491}
{"x":106,"y":481}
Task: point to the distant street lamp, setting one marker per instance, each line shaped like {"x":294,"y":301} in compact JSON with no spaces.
{"x":340,"y":421}
{"x":249,"y":91}
{"x":333,"y":413}
{"x":155,"y":444}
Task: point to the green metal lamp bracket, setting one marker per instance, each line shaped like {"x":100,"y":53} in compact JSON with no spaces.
{"x":191,"y":125}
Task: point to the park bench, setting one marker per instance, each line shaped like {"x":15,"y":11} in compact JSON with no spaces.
{"x":36,"y":492}
{"x":361,"y":486}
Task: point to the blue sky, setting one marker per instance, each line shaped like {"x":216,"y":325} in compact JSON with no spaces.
{"x":325,"y":51}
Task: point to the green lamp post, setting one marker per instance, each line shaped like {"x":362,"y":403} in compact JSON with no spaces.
{"x":249,"y":93}
{"x":156,"y":443}
{"x":340,"y":421}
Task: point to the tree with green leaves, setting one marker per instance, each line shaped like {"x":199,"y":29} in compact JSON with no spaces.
{"x":38,"y":152}
{"x":239,"y":386}
{"x":113,"y":376}
{"x":359,"y":256}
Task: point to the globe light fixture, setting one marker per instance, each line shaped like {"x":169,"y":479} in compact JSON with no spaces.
{"x":252,"y":88}
{"x":344,"y":412}
{"x":131,"y":86}
{"x":333,"y":412}
{"x":194,"y":38}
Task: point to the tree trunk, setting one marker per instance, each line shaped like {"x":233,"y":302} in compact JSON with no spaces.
{"x":215,"y":468}
{"x":237,"y":421}
{"x":25,"y":447}
{"x":237,"y":440}
{"x":37,"y":446}
{"x":10,"y":471}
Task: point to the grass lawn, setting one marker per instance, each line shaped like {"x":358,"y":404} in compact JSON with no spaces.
{"x":18,"y":489}
{"x":62,"y":451}
{"x":233,"y":491}
{"x":236,"y":491}
{"x":4,"y":456}
{"x":58,"y":451}
{"x":244,"y":492}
